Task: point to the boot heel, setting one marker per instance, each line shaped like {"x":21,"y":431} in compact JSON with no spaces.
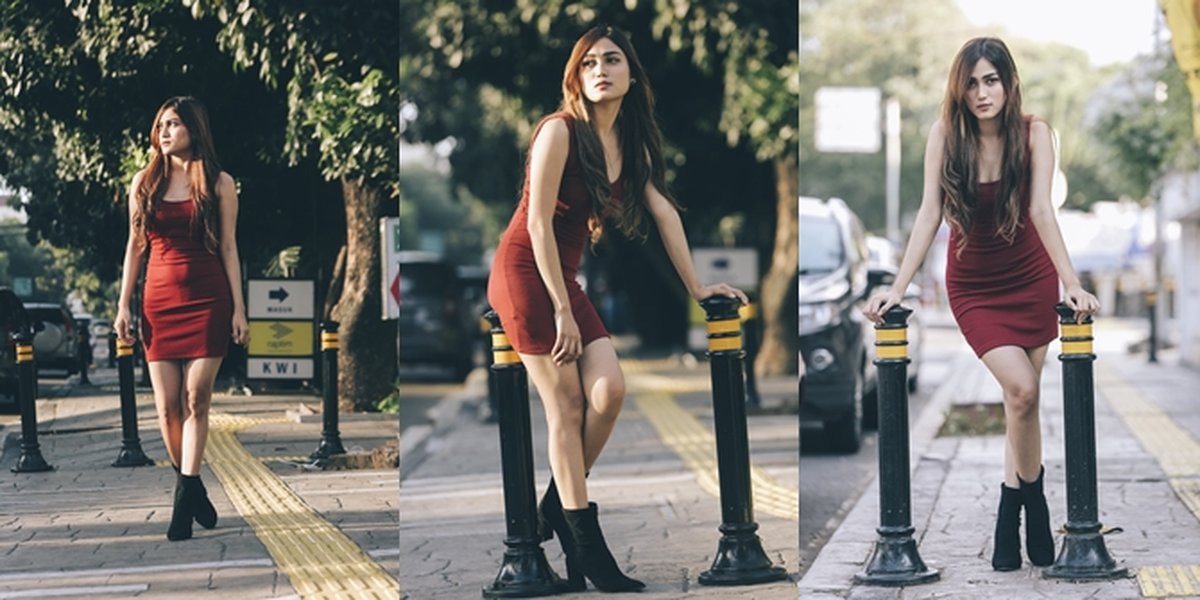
{"x":1006,"y":551}
{"x":1039,"y":542}
{"x":591,"y":554}
{"x":181,"y":514}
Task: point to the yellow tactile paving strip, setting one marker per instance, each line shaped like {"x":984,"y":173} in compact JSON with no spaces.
{"x":1178,"y":453}
{"x":698,"y":448}
{"x":321,"y":562}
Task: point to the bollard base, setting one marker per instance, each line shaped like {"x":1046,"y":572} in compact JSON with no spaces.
{"x":132,"y":456}
{"x":1084,"y":557}
{"x":31,"y":461}
{"x":740,"y":559}
{"x":328,"y":447}
{"x":525,"y":573}
{"x":896,"y":562}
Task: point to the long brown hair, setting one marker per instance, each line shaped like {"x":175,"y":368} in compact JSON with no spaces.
{"x":960,"y":162}
{"x":203,"y":171}
{"x":640,"y":139}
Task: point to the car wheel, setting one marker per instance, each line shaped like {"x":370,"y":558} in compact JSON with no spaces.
{"x":845,"y":434}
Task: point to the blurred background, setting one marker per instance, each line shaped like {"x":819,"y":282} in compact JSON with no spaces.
{"x":477,"y":76}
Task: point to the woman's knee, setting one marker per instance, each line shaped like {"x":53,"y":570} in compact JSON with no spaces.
{"x":1022,"y":398}
{"x":566,"y":413}
{"x":169,"y":409}
{"x":199,"y":400}
{"x":608,"y":396}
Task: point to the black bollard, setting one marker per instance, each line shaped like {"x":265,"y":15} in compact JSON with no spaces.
{"x":752,"y":331}
{"x":1083,"y":556}
{"x":131,"y":454}
{"x":30,"y":460}
{"x":524,"y":571}
{"x":1152,"y":306}
{"x":485,"y":326}
{"x":740,"y":559}
{"x":331,"y":438}
{"x":895,"y":560}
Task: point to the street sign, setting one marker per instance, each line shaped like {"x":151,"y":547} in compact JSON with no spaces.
{"x":281,"y":338}
{"x":279,"y":368}
{"x":736,"y":266}
{"x":280,"y":298}
{"x":389,"y":236}
{"x":848,"y":119}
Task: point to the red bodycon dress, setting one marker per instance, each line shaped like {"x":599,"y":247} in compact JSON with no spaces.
{"x":187,"y":308}
{"x":515,"y":289}
{"x":1002,"y":294}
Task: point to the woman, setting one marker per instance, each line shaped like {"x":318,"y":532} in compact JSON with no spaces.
{"x":988,"y":169}
{"x":183,"y":211}
{"x":599,"y":158}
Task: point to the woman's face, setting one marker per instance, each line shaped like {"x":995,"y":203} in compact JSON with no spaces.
{"x":985,"y":92}
{"x":604,"y":72}
{"x":173,"y":137}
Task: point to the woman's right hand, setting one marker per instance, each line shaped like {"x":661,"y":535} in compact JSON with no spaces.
{"x":879,"y":303}
{"x":121,"y":325}
{"x":568,"y":342}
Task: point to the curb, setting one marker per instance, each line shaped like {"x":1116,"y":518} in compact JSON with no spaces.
{"x":851,"y":544}
{"x":442,"y":416}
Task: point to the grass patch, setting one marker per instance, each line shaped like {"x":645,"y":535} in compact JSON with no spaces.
{"x":973,"y":419}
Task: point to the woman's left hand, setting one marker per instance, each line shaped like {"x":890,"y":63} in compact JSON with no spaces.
{"x":241,"y":330}
{"x":1081,"y":301}
{"x":721,"y":289}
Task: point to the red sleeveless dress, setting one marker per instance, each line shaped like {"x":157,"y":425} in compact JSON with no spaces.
{"x":515,"y":289}
{"x":1002,"y":294}
{"x":187,"y":308}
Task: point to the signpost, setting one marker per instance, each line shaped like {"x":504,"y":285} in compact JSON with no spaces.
{"x":282,"y":334}
{"x":736,"y":266}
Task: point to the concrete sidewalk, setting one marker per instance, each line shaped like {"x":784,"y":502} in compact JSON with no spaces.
{"x":1147,"y":425}
{"x":286,"y":528}
{"x":654,"y":485}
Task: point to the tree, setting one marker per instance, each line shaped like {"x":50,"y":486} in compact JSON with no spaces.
{"x":337,"y":68}
{"x":725,"y":82}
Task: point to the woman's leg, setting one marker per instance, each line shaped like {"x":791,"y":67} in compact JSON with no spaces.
{"x":562,"y":397}
{"x":166,"y":377}
{"x":604,"y":389}
{"x":199,"y":375}
{"x":1014,"y":368}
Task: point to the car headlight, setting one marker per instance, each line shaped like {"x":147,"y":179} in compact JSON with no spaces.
{"x":821,"y":359}
{"x":817,"y":315}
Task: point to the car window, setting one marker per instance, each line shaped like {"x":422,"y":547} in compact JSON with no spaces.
{"x":425,"y":279}
{"x":821,"y":248}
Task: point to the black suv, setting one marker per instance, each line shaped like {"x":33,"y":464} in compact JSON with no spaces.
{"x":437,"y":325}
{"x":834,"y":335}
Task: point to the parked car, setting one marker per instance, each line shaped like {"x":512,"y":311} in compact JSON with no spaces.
{"x":883,"y":265}
{"x":12,"y":320}
{"x":834,"y":334}
{"x":54,"y":343}
{"x":436,"y":321}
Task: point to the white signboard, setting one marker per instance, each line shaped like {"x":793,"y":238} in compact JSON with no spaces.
{"x":389,"y":239}
{"x":736,"y":266}
{"x":848,"y":119}
{"x":279,"y":299}
{"x":279,"y":368}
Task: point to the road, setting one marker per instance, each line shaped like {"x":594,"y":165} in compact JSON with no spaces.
{"x":830,"y":483}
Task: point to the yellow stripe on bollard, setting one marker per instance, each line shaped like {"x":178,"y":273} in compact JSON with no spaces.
{"x":899,"y":334}
{"x":329,"y":340}
{"x":500,"y":340}
{"x":748,"y":311}
{"x":505,"y":357}
{"x":124,"y":349}
{"x":725,"y":326}
{"x":722,"y":344}
{"x":1078,"y":330}
{"x":892,"y":351}
{"x":1079,"y":347}
{"x":24,"y":352}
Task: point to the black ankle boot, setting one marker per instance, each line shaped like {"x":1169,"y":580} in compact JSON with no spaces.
{"x":592,"y":556}
{"x":181,"y":513}
{"x":204,"y":512}
{"x":1006,"y":553}
{"x":1039,"y":543}
{"x":550,"y":520}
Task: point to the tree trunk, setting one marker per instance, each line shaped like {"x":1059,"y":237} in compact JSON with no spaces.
{"x":367,"y":354}
{"x":334,"y":293}
{"x":778,"y":355}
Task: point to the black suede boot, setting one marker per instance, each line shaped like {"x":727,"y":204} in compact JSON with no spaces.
{"x":550,"y":520}
{"x":205,"y":512}
{"x":181,"y":513}
{"x":1039,"y":543}
{"x":592,"y":556}
{"x":1006,"y":553}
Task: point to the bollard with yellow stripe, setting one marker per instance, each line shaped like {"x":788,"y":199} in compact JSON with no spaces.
{"x":503,"y":354}
{"x":24,"y":353}
{"x":124,"y":348}
{"x":891,"y":336}
{"x":329,"y":340}
{"x":724,"y":323}
{"x":1076,"y":337}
